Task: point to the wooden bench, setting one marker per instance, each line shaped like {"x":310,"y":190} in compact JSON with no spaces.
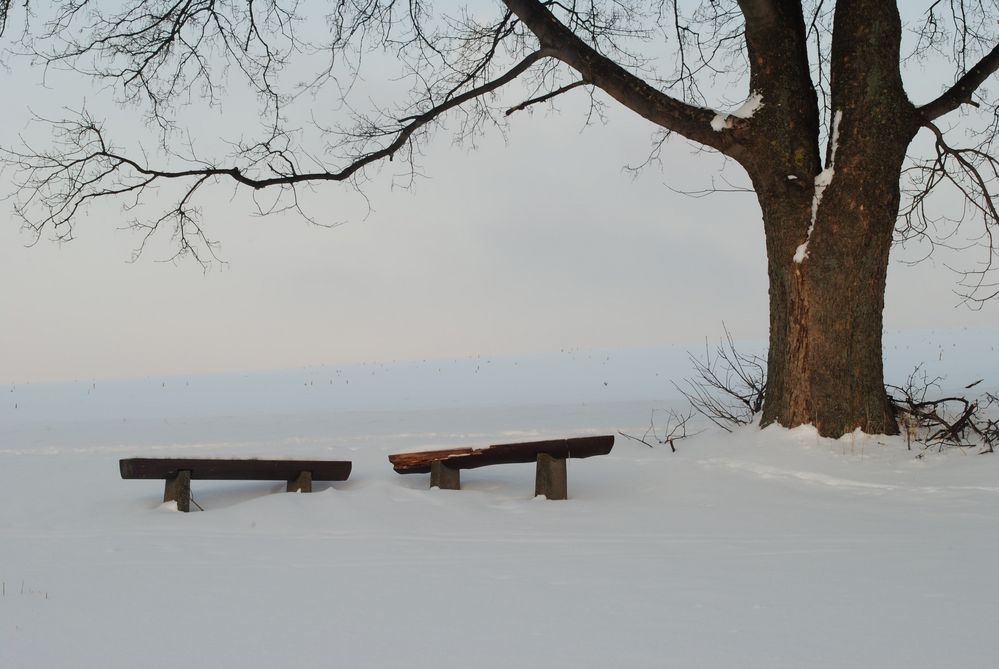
{"x":178,"y":473}
{"x":445,"y":465}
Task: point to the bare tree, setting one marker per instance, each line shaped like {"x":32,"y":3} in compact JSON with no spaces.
{"x":826,"y":136}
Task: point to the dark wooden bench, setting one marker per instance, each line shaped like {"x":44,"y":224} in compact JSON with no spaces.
{"x":178,"y":473}
{"x":445,"y":465}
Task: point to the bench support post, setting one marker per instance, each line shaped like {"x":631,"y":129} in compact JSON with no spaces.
{"x":551,"y":479}
{"x":443,"y":477}
{"x":178,"y":489}
{"x":303,"y":483}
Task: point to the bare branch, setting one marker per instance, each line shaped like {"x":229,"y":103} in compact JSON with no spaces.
{"x":628,"y":89}
{"x":728,"y":387}
{"x":544,"y":98}
{"x":963,"y":90}
{"x":4,"y":13}
{"x":674,"y":430}
{"x":973,"y":174}
{"x":55,"y":186}
{"x":942,"y":422}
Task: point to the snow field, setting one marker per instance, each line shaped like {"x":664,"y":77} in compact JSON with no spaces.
{"x":768,"y":548}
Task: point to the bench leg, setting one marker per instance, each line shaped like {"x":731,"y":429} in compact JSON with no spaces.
{"x":551,"y":477}
{"x":178,"y":489}
{"x":301,"y":484}
{"x":443,"y":477}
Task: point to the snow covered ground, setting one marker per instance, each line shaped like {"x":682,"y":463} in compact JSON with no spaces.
{"x":769,"y":548}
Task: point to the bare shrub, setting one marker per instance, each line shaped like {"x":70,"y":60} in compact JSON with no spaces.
{"x":674,"y":430}
{"x":943,"y":422}
{"x":728,"y":386}
{"x":989,"y":428}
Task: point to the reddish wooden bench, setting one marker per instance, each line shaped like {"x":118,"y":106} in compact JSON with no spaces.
{"x":178,"y":473}
{"x":445,"y":465}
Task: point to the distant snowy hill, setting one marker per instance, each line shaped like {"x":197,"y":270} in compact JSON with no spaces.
{"x":566,"y":377}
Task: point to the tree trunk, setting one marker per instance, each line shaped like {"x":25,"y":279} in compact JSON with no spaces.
{"x":825,"y":364}
{"x":829,"y":230}
{"x":827,"y":292}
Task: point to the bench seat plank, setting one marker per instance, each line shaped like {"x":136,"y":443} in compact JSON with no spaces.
{"x":471,"y":458}
{"x":234,"y":470}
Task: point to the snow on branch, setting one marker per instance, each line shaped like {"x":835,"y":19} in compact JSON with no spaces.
{"x":747,"y":110}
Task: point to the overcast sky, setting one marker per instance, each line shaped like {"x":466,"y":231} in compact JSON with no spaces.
{"x":538,"y":243}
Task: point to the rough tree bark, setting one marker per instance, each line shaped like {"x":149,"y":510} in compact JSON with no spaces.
{"x":829,"y":229}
